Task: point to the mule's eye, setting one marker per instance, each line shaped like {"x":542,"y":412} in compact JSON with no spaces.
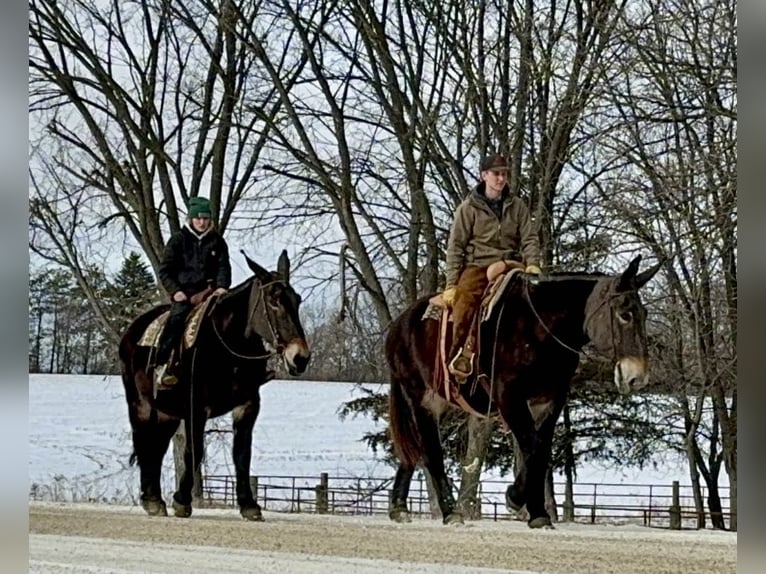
{"x":625,"y":317}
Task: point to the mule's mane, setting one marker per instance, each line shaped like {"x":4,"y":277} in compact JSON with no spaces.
{"x":561,"y":283}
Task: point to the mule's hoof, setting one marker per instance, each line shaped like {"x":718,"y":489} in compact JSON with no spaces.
{"x":541,"y":522}
{"x":400,"y":515}
{"x":252,"y":513}
{"x":454,"y":518}
{"x":513,"y":502}
{"x":155,"y":507}
{"x":182,"y":510}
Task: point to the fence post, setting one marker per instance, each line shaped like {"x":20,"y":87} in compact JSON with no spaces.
{"x":421,"y":480}
{"x":593,"y":508}
{"x":321,"y":490}
{"x":675,"y":508}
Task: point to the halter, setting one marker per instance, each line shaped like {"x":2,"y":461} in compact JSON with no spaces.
{"x":275,"y":338}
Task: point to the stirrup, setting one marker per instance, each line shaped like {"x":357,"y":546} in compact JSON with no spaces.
{"x":461,"y":366}
{"x":162,"y":378}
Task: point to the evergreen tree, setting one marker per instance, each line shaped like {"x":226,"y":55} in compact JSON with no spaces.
{"x":133,"y":290}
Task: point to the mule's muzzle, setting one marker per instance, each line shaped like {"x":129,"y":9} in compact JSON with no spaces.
{"x":631,"y":374}
{"x":296,"y":356}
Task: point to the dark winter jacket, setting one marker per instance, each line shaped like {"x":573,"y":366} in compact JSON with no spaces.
{"x":192,"y":261}
{"x":479,"y":237}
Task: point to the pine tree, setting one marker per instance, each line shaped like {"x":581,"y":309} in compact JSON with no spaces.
{"x":133,"y":290}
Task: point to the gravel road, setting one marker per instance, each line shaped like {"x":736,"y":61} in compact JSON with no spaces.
{"x":95,"y":538}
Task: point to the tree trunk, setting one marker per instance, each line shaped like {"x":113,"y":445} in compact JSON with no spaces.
{"x":468,"y":500}
{"x":38,"y":342}
{"x":86,"y":351}
{"x":699,"y":505}
{"x":714,"y":505}
{"x":733,"y":499}
{"x":692,"y":454}
{"x":54,"y":341}
{"x":550,"y":497}
{"x":433,"y":499}
{"x":179,"y":444}
{"x":569,"y":468}
{"x":727,"y":419}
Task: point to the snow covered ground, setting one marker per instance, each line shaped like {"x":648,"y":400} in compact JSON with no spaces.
{"x":79,"y":440}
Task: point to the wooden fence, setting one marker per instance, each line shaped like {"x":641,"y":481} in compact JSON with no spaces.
{"x":665,"y":506}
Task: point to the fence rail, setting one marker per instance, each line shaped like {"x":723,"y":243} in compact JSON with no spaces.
{"x":657,"y":505}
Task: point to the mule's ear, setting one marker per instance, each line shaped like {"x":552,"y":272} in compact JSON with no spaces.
{"x":644,"y":277}
{"x":261,"y":273}
{"x":626,"y":279}
{"x":283,"y":266}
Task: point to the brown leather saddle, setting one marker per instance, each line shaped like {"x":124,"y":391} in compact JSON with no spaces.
{"x":464,"y":394}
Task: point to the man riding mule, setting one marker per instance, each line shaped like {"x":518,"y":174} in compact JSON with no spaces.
{"x":222,"y":372}
{"x":530,"y":344}
{"x":491,"y":226}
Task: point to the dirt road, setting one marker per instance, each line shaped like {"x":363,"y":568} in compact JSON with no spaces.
{"x":91,"y":538}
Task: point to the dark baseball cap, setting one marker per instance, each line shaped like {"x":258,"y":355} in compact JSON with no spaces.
{"x":494,"y":162}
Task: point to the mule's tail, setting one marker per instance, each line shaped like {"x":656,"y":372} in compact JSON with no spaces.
{"x":408,"y":445}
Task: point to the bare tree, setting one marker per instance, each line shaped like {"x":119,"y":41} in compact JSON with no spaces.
{"x":137,"y":106}
{"x":676,"y":101}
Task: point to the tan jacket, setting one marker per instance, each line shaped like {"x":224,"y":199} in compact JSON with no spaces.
{"x":479,"y":238}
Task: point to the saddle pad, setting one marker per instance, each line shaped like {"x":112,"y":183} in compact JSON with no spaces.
{"x":151,"y":336}
{"x":433,"y":311}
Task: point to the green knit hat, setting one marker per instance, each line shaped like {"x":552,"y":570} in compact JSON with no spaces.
{"x":199,"y":207}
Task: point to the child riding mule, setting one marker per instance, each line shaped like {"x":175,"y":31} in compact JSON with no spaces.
{"x":529,"y":352}
{"x":222,"y":372}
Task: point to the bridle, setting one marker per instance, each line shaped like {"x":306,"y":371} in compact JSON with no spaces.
{"x":490,"y":390}
{"x":260,"y":301}
{"x":587,"y":319}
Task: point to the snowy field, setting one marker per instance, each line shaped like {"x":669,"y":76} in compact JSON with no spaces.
{"x":79,"y":440}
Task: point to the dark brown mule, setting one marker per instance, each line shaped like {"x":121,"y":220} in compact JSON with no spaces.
{"x":535,"y":334}
{"x":223,"y":372}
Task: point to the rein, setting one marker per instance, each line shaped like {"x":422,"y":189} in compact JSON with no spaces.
{"x":249,"y":318}
{"x":540,"y":320}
